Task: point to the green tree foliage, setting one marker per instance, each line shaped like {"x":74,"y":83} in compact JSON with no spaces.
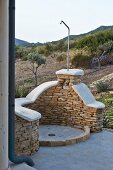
{"x":95,"y":40}
{"x":103,"y":49}
{"x":36,"y":60}
{"x":106,"y":47}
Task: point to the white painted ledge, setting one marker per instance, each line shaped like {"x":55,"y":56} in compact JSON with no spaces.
{"x":72,"y":72}
{"x":28,"y":114}
{"x":85,"y":94}
{"x":97,"y":104}
{"x":22,"y":101}
{"x":34,"y":94}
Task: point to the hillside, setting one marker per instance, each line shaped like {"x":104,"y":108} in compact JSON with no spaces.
{"x":72,"y":37}
{"x":82,"y":51}
{"x":101,"y":28}
{"x":21,"y":42}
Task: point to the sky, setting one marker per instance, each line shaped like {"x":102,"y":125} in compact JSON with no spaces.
{"x":39,"y":20}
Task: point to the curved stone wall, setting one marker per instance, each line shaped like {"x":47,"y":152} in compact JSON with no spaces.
{"x":61,"y":105}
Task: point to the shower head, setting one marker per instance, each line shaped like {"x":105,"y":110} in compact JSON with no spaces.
{"x":61,"y":22}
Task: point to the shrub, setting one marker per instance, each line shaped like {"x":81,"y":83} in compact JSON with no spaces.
{"x":110,"y":113}
{"x":21,"y":52}
{"x":80,"y":60}
{"x":61,"y":57}
{"x":21,"y":91}
{"x":42,"y":50}
{"x":25,"y":58}
{"x":102,"y":86}
{"x":105,"y":120}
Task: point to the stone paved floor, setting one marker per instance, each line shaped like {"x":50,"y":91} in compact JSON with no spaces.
{"x":60,"y":132}
{"x":93,"y":154}
{"x":22,"y":166}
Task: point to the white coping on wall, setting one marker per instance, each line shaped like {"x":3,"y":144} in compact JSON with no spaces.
{"x":73,"y":72}
{"x":34,"y":94}
{"x":22,"y":101}
{"x":26,"y":113}
{"x":85,"y":94}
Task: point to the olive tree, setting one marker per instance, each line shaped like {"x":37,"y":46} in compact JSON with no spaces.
{"x":102,"y":50}
{"x":36,"y":61}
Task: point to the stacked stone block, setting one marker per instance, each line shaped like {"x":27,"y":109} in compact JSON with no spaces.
{"x":26,"y":136}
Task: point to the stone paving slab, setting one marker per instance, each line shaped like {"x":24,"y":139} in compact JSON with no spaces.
{"x":93,"y":154}
{"x":22,"y":166}
{"x":59,"y":132}
{"x":56,"y":135}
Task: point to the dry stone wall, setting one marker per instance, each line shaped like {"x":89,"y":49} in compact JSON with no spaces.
{"x":60,"y":105}
{"x":26,"y":136}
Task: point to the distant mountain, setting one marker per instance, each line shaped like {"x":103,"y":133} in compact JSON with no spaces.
{"x":72,"y":37}
{"x":25,"y":43}
{"x":21,"y":42}
{"x":101,"y":28}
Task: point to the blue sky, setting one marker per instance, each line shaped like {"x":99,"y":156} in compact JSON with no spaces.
{"x":39,"y":20}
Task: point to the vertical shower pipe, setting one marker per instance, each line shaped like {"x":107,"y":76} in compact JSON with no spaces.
{"x":68,"y":57}
{"x":3,"y":84}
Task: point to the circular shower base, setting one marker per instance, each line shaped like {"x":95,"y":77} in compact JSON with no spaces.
{"x":56,"y":135}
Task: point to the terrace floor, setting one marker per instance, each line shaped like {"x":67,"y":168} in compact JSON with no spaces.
{"x":93,"y":154}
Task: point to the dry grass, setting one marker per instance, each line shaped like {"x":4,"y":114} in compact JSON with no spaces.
{"x":47,"y":72}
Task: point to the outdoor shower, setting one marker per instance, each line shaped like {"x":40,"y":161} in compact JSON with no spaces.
{"x":68,"y":57}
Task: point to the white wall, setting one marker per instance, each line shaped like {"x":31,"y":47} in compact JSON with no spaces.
{"x":3,"y":84}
